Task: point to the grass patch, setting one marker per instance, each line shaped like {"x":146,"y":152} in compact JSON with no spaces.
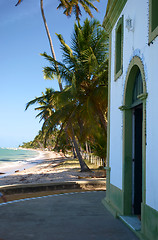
{"x":74,"y":164}
{"x":69,"y":163}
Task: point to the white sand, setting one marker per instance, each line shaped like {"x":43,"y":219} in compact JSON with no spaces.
{"x":46,"y":171}
{"x":11,"y":167}
{"x":17,"y":172}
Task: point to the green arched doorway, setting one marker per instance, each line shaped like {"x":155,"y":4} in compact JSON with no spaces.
{"x":134,"y":140}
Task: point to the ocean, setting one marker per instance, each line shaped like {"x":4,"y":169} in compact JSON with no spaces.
{"x":11,"y":158}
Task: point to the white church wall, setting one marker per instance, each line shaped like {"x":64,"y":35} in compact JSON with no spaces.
{"x":136,"y":44}
{"x":115,"y":158}
{"x":152,"y":127}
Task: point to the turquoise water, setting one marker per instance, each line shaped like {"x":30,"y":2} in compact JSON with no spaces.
{"x":15,"y":154}
{"x":10,"y":156}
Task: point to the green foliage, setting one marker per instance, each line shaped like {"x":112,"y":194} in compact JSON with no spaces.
{"x":82,"y":104}
{"x":73,"y":6}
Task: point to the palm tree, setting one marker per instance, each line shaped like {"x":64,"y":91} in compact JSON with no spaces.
{"x":84,"y":70}
{"x":49,"y":38}
{"x":73,"y":6}
{"x":70,"y":5}
{"x":46,"y":104}
{"x":55,"y":112}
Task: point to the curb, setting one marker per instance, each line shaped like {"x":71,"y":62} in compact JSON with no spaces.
{"x":41,"y":197}
{"x":30,"y":188}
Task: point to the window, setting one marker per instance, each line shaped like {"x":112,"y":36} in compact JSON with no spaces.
{"x":119,"y":49}
{"x":153,"y":20}
{"x":138,"y":88}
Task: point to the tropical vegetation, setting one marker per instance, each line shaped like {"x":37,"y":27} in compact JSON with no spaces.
{"x":69,"y":6}
{"x":75,"y":116}
{"x":77,"y":113}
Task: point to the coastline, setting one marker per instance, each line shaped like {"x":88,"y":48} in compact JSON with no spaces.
{"x":40,"y":172}
{"x":53,"y":168}
{"x":15,"y":167}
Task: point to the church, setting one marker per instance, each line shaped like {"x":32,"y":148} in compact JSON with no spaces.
{"x":132,"y":137}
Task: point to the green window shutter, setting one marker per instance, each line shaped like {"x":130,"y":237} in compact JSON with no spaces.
{"x":153,"y":20}
{"x":154,"y":17}
{"x":119,"y":48}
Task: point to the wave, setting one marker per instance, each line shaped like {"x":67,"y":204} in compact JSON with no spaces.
{"x":9,"y":166}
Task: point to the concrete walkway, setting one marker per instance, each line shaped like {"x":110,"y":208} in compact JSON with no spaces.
{"x":72,"y":216}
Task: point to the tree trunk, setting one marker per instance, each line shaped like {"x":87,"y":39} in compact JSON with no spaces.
{"x":83,"y":165}
{"x":73,"y":149}
{"x":86,"y":147}
{"x":50,"y":42}
{"x":90,"y":151}
{"x":102,"y":119}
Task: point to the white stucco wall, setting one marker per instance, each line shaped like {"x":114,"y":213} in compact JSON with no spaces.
{"x":152,"y":128}
{"x":136,"y":44}
{"x":115,"y":158}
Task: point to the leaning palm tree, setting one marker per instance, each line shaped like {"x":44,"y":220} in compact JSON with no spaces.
{"x":70,"y":4}
{"x":49,"y":38}
{"x":84,"y":70}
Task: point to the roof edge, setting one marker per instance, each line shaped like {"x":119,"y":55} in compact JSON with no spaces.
{"x":113,"y":11}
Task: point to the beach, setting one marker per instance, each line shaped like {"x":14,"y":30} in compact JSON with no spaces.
{"x":21,"y":172}
{"x":25,"y":158}
{"x":52,"y":167}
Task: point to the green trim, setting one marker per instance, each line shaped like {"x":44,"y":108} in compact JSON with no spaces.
{"x":127,"y":134}
{"x":123,"y":107}
{"x":149,"y":222}
{"x":107,"y":168}
{"x":153,"y":30}
{"x":115,"y":200}
{"x":113,"y":12}
{"x":109,"y":207}
{"x":142,"y":96}
{"x":119,"y":48}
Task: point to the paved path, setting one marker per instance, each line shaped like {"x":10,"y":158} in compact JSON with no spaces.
{"x":77,"y":216}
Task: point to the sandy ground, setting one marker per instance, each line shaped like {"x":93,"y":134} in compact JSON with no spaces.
{"x":53,"y":168}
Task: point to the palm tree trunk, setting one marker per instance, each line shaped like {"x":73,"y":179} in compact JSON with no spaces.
{"x":73,"y":149}
{"x":50,"y":41}
{"x":83,"y":165}
{"x":86,"y":147}
{"x":47,"y":30}
{"x":102,"y":120}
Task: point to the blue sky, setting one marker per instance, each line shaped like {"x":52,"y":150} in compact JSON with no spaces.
{"x":22,"y":39}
